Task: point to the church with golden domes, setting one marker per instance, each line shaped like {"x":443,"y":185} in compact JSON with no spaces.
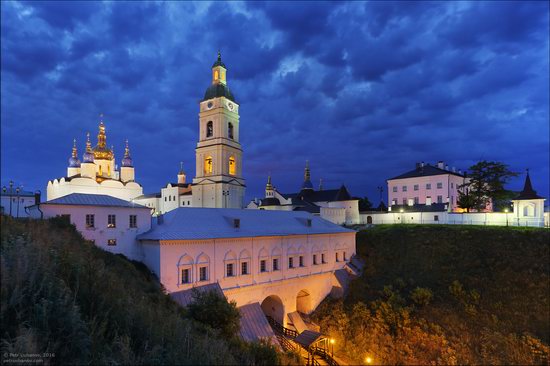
{"x":98,"y":172}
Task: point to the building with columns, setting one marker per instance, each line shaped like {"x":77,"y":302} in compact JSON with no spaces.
{"x":97,"y":173}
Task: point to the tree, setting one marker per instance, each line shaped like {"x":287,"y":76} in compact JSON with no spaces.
{"x":484,"y":184}
{"x":364,"y":204}
{"x":213,"y":309}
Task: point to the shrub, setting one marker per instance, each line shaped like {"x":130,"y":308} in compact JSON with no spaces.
{"x":421,"y":296}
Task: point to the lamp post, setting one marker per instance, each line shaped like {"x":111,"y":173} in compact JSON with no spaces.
{"x":368,"y":360}
{"x":506,"y":213}
{"x":17,"y":195}
{"x":11,"y":193}
{"x":401,"y":216}
{"x":332,"y":347}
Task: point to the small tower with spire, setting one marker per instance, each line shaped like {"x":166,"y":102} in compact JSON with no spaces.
{"x":74,"y":163}
{"x":528,"y":206}
{"x":269,"y":188}
{"x":127,"y":173}
{"x":307,"y":185}
{"x":103,"y":156}
{"x":181,"y":174}
{"x":88,"y":167}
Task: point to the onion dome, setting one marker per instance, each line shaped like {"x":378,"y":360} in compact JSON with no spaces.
{"x":307,"y":178}
{"x":88,"y":156}
{"x":74,"y":162}
{"x":127,"y":159}
{"x":101,"y":151}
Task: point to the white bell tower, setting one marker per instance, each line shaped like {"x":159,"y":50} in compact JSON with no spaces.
{"x":218,"y":180}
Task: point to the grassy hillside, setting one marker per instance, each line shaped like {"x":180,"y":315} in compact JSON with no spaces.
{"x":446,"y":294}
{"x":60,"y":294}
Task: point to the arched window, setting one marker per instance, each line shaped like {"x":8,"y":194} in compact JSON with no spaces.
{"x":209,"y":129}
{"x":100,"y":170}
{"x":232,"y":166}
{"x":216,"y":75}
{"x":203,"y":264}
{"x":185,"y":267}
{"x":208,"y":165}
{"x":230,"y":130}
{"x":109,"y":170}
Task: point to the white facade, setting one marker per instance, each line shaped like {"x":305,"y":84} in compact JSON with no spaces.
{"x":116,"y":235}
{"x":14,"y":201}
{"x":218,"y":180}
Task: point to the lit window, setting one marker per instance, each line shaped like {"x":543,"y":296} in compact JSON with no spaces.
{"x":209,"y":129}
{"x":275,"y":264}
{"x":314,"y":259}
{"x":100,"y":170}
{"x":416,"y":187}
{"x":109,"y":170}
{"x":301,"y":260}
{"x":111,"y":221}
{"x":230,"y":130}
{"x":203,"y":274}
{"x":229,"y":270}
{"x":208,"y":165}
{"x":185,"y":277}
{"x":216,"y":75}
{"x":133,"y":221}
{"x":439,"y":185}
{"x":290,"y":262}
{"x":90,"y":221}
{"x":111,"y":242}
{"x":232,"y":166}
{"x":263,"y":266}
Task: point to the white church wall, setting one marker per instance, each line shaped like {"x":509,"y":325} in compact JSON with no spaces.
{"x":61,"y":187}
{"x":335,"y":215}
{"x":100,"y":234}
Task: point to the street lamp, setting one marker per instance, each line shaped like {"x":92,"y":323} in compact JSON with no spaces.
{"x":11,"y":193}
{"x":506,"y":213}
{"x":332,"y":346}
{"x":368,"y":360}
{"x":17,"y":195}
{"x":401,"y":216}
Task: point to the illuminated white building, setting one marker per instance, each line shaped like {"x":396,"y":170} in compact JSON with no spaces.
{"x":97,"y":173}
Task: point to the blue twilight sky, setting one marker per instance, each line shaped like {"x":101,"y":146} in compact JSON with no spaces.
{"x":363,"y":90}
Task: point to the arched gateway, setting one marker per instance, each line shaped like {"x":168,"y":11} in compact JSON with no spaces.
{"x":303,"y":302}
{"x":273,"y":306}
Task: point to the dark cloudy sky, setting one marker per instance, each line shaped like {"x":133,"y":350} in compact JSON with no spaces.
{"x":361,"y":89}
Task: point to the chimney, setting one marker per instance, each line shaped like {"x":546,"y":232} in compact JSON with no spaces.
{"x":37,"y":197}
{"x":236,"y":223}
{"x":441,"y":164}
{"x":308,"y":222}
{"x":160,"y":219}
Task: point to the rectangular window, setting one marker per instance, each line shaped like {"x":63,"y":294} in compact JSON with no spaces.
{"x":301,"y":260}
{"x":323,"y":258}
{"x":185,"y":278}
{"x":202,"y":274}
{"x":244,"y":268}
{"x":452,"y":200}
{"x":275,"y":264}
{"x":395,"y":189}
{"x":439,"y":199}
{"x":111,"y":221}
{"x":439,"y":185}
{"x":404,"y":188}
{"x":416,"y":201}
{"x":404,"y":201}
{"x":111,"y":242}
{"x":229,"y":270}
{"x":436,"y":218}
{"x":345,"y":258}
{"x":337,"y":257}
{"x":452,"y":185}
{"x":133,"y":221}
{"x":290,"y":262}
{"x":90,"y":221}
{"x":263,"y":266}
{"x":314,"y":259}
{"x":416,"y":187}
{"x":428,"y":186}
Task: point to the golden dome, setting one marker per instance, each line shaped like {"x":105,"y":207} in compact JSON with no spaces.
{"x":101,"y":151}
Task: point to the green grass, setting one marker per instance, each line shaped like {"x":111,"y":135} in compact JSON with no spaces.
{"x":489,"y":290}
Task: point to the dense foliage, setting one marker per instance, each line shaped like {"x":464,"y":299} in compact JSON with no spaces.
{"x":60,"y":294}
{"x":485,"y":184}
{"x":446,"y":295}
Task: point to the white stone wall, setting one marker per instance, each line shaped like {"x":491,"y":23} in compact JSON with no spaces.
{"x":335,"y":215}
{"x":59,"y":188}
{"x":18,"y":205}
{"x":100,"y":234}
{"x":255,"y":286}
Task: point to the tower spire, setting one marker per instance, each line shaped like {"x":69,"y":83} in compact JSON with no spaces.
{"x":74,"y":154}
{"x":88,"y":143}
{"x":268,"y":186}
{"x":126,"y":150}
{"x":101,"y":137}
{"x":307,"y":178}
